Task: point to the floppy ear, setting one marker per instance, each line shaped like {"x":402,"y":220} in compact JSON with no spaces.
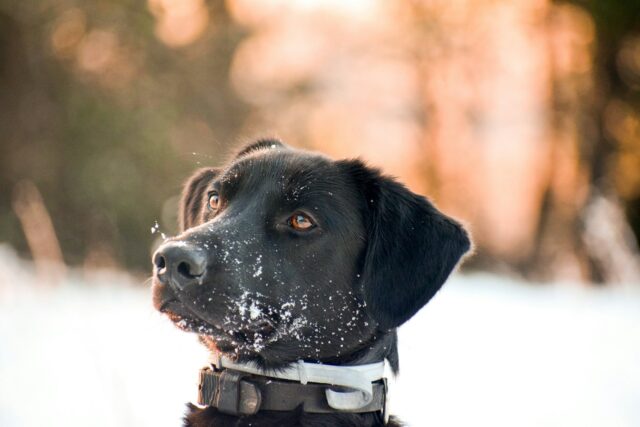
{"x":411,"y":247}
{"x":260,"y":144}
{"x":193,"y":197}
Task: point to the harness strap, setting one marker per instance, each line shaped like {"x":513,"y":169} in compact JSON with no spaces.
{"x":238,"y":393}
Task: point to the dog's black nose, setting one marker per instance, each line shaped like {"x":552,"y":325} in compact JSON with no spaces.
{"x":179,"y":264}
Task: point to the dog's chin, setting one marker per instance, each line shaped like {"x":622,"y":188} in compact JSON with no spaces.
{"x":189,"y":323}
{"x":264,"y":357}
{"x":248,"y":340}
{"x":240,"y":339}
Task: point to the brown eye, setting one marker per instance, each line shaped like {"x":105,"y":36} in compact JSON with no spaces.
{"x":214,"y":200}
{"x":301,"y":222}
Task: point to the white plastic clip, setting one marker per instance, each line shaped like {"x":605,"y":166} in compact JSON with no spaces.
{"x":348,"y":400}
{"x":302,"y":372}
{"x":358,"y":378}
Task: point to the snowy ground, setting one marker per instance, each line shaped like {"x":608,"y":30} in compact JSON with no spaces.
{"x":485,"y":352}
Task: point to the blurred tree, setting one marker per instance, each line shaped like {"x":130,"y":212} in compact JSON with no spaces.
{"x":105,"y":106}
{"x":605,"y":111}
{"x":522,"y":118}
{"x":546,"y":205}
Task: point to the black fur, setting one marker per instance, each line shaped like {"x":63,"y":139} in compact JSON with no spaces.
{"x":192,"y":201}
{"x":260,"y":144}
{"x":273,"y":295}
{"x":210,"y":417}
{"x":412,"y":248}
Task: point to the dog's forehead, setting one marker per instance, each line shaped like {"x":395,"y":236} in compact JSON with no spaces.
{"x":285,"y":180}
{"x":283,"y":170}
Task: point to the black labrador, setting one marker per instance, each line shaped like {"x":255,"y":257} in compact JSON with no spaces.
{"x":287,"y":255}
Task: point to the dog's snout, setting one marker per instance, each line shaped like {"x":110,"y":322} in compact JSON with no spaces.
{"x":179,"y":264}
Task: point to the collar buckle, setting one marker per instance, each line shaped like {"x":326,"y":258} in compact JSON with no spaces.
{"x":228,"y":392}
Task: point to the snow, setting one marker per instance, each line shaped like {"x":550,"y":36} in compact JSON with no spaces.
{"x":155,"y":228}
{"x":258,"y":272}
{"x":487,"y":351}
{"x":254,"y":311}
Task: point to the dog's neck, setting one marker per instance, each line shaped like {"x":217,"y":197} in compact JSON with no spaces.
{"x":359,"y":378}
{"x":382,"y":346}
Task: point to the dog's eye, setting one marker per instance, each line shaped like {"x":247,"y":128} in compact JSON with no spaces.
{"x":300,"y":221}
{"x":214,"y":200}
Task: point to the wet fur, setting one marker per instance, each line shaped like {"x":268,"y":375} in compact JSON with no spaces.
{"x":396,"y":250}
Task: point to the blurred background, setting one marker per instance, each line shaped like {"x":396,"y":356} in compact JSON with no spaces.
{"x":522,"y":119}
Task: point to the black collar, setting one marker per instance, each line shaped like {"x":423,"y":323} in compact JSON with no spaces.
{"x":239,"y":393}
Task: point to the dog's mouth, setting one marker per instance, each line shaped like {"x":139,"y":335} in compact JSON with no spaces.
{"x":247,"y":324}
{"x":253,"y":335}
{"x":187,"y":321}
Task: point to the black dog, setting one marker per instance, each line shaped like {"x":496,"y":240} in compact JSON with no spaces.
{"x":286,"y":255}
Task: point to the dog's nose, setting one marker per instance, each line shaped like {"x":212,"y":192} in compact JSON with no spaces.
{"x":179,"y":264}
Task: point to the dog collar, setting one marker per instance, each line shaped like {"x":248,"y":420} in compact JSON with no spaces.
{"x":244,"y":389}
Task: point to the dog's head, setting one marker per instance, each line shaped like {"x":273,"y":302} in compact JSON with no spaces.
{"x":287,"y":255}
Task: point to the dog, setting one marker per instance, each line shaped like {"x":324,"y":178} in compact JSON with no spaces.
{"x":287,"y":258}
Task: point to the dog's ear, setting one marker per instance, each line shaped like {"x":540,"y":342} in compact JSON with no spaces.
{"x":193,"y":197}
{"x":411,"y":246}
{"x":260,"y":144}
